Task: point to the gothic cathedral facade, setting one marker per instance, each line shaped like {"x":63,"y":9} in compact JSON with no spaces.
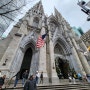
{"x":60,"y":54}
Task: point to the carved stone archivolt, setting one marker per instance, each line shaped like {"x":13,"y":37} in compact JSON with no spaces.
{"x":31,"y":38}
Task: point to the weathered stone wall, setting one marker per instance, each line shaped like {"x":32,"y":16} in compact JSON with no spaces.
{"x":4,"y":43}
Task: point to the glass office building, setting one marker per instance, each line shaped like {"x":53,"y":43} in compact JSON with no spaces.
{"x":78,"y":31}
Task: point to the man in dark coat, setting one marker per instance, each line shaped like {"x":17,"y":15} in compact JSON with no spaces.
{"x":16,"y":79}
{"x":24,"y":77}
{"x":2,"y":79}
{"x":41,"y":78}
{"x":30,"y":84}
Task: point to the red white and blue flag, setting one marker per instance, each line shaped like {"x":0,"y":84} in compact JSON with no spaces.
{"x":41,"y":41}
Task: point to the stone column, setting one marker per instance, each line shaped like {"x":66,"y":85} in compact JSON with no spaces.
{"x":48,"y":60}
{"x":42,"y":57}
{"x":83,"y":45}
{"x":76,"y":60}
{"x":82,"y":59}
{"x":52,"y":71}
{"x":84,"y":62}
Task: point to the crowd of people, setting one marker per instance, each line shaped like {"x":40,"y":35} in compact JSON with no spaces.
{"x":33,"y":81}
{"x":30,"y":82}
{"x":82,"y":78}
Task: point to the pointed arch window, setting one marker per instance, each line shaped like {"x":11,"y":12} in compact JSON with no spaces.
{"x":36,"y":21}
{"x":58,"y":49}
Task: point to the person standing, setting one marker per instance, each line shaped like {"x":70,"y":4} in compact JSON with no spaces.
{"x":37,"y":77}
{"x":24,"y":77}
{"x":30,"y":84}
{"x":16,"y":79}
{"x":2,"y":79}
{"x":41,"y":78}
{"x":84,"y":78}
{"x":70,"y":77}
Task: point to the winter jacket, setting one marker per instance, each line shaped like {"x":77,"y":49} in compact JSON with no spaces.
{"x":1,"y":81}
{"x":30,"y":85}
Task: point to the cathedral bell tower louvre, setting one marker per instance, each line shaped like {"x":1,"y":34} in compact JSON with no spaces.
{"x":60,"y":53}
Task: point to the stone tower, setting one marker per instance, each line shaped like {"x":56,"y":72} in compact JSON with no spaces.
{"x":61,"y":52}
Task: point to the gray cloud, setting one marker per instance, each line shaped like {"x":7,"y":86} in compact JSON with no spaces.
{"x":73,"y":14}
{"x":70,"y":11}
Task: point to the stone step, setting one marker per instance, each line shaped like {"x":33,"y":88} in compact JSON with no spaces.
{"x":45,"y":81}
{"x":83,"y":86}
{"x":68,"y":86}
{"x":62,"y":85}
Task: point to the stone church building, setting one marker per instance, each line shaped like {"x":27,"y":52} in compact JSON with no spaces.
{"x":62,"y":52}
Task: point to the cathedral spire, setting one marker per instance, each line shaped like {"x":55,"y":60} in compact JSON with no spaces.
{"x":39,"y":7}
{"x":57,"y":14}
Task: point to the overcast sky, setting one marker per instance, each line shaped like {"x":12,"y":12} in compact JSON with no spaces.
{"x":68,"y":8}
{"x":70,"y":11}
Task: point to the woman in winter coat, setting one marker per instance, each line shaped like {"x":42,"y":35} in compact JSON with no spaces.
{"x":30,"y":84}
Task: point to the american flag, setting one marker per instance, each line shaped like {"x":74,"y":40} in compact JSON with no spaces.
{"x":40,"y":41}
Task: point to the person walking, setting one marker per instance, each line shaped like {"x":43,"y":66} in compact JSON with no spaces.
{"x":84,"y":78}
{"x":30,"y":84}
{"x":16,"y":79}
{"x":2,"y":79}
{"x":41,"y":78}
{"x":24,"y":77}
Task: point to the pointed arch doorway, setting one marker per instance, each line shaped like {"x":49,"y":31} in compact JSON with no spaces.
{"x":26,"y":61}
{"x":62,"y":68}
{"x":61,"y":63}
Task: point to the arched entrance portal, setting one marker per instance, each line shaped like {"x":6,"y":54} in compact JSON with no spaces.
{"x":26,"y":61}
{"x":62,"y":65}
{"x":62,"y":68}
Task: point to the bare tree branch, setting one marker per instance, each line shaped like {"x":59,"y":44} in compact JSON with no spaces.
{"x":4,"y":20}
{"x":10,"y":11}
{"x":5,"y":4}
{"x":8,"y":17}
